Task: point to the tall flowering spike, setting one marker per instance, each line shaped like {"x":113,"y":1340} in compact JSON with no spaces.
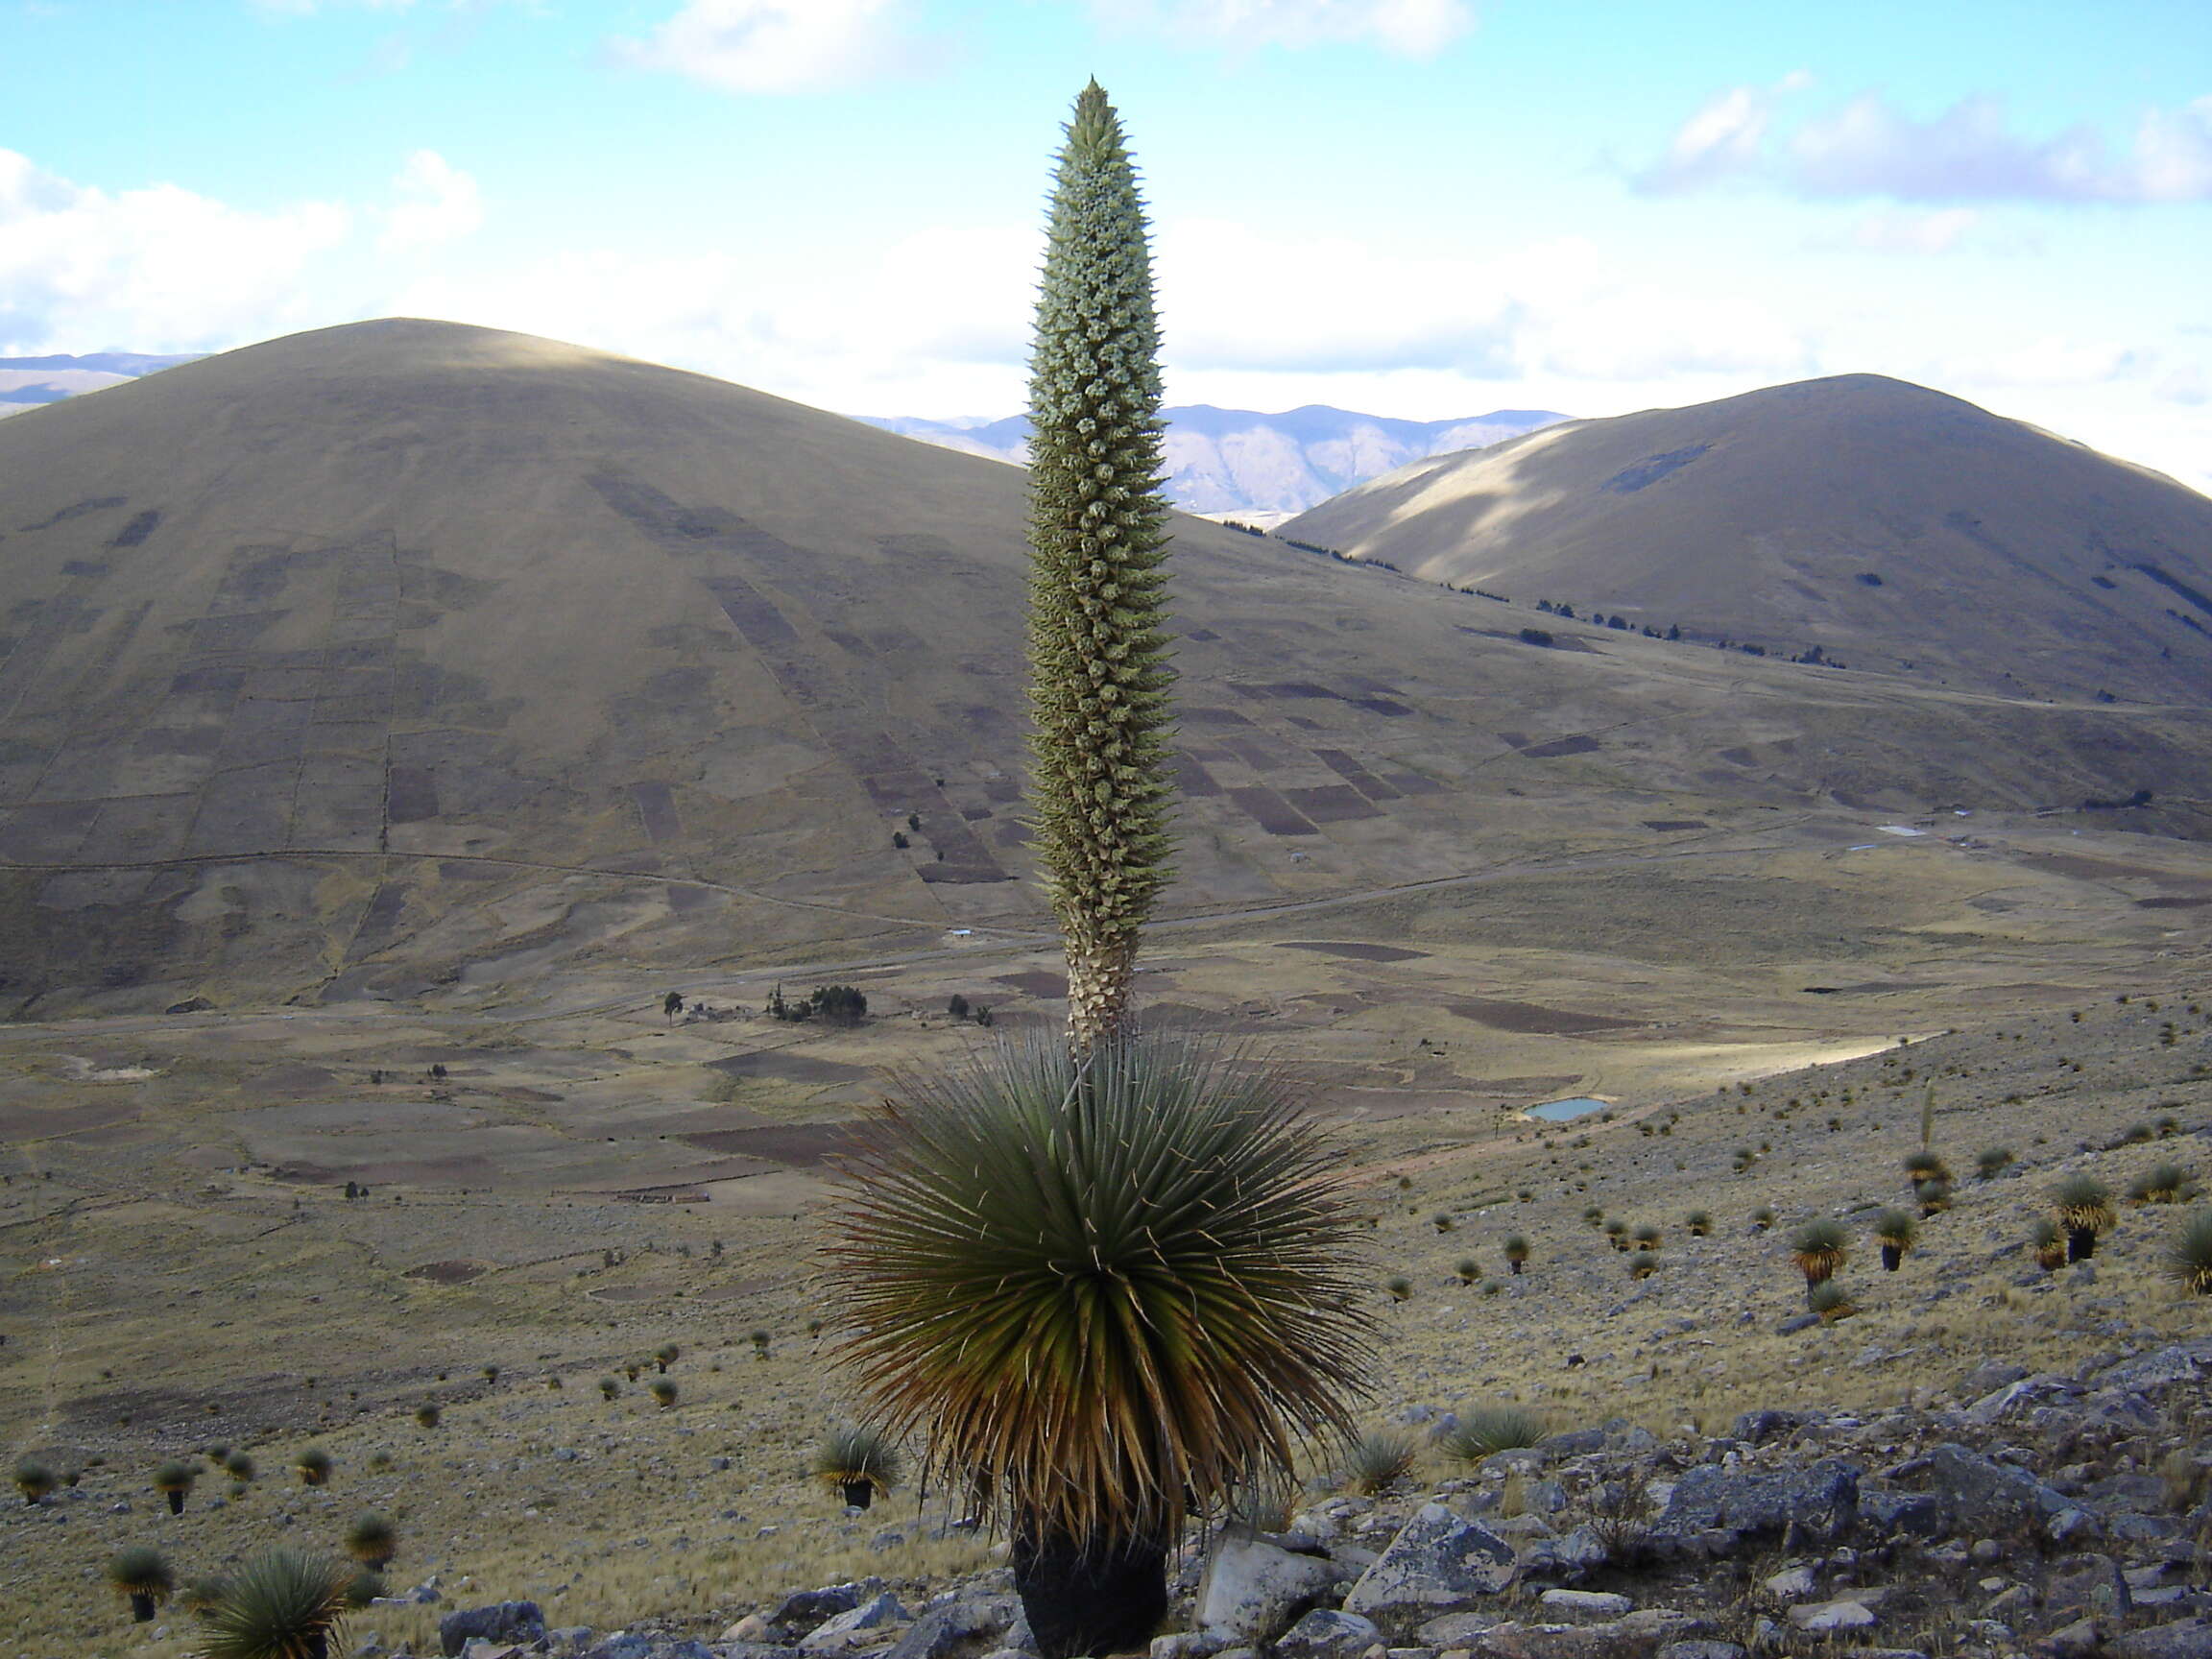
{"x":1101,"y":679}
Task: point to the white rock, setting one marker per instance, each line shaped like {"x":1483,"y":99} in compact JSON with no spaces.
{"x":1793,"y":1584}
{"x":1252,"y":1588}
{"x":1587,"y":1604}
{"x":1825,"y":1615}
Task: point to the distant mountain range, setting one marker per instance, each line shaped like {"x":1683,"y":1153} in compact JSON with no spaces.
{"x":1260,"y":469}
{"x":26,"y":382}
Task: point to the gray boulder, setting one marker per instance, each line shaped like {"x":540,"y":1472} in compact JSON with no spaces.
{"x":1437,"y":1562}
{"x":514,"y":1622}
{"x":1257,"y":1590}
{"x":2185,"y":1639}
{"x":856,"y":1628}
{"x":1822,"y":1501}
{"x":1327,"y":1634}
{"x":1981,"y":1495}
{"x":2086,"y":1585}
{"x":962,"y":1627}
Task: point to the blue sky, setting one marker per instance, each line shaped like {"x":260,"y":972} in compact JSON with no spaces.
{"x":1418,"y":207}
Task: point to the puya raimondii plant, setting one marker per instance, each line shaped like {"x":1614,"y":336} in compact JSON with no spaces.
{"x":1105,"y":1278}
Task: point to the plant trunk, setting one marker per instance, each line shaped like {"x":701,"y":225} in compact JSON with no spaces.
{"x":142,"y":1606}
{"x":858,"y":1494}
{"x":1099,"y":973}
{"x":1515,"y":1265}
{"x":2081,"y":1243}
{"x":176,"y":1503}
{"x":1090,"y":1595}
{"x":1891,"y":1255}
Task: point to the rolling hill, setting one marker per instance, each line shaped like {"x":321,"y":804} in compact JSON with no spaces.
{"x":1258,"y":467}
{"x":409,"y":658}
{"x":1883,"y":523}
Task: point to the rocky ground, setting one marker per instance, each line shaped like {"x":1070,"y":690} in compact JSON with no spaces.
{"x":2062,"y":1515}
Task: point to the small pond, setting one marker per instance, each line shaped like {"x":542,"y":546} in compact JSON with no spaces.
{"x":1563,"y":1111}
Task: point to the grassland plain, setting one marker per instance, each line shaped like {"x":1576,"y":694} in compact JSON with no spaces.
{"x":180,"y":1268}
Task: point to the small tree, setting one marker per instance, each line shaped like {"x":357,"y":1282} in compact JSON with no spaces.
{"x":672,"y":1005}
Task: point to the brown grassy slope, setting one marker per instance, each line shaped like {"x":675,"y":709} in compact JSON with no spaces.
{"x":407,"y":656}
{"x":2008,"y":559}
{"x":162,"y":1292}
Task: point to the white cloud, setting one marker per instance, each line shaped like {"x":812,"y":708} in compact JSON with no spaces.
{"x":1910,"y":230}
{"x":437,"y":202}
{"x":153,"y":268}
{"x":774,"y":45}
{"x":1868,"y":147}
{"x":1409,"y":28}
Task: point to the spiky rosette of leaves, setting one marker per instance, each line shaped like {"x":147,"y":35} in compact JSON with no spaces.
{"x":282,"y":1604}
{"x":1896,"y":1232}
{"x":1819,"y":1248}
{"x":1831,"y":1301}
{"x":372,"y":1539}
{"x":138,"y":1570}
{"x":2161,"y":1184}
{"x":2189,"y":1258}
{"x":1105,"y":1288}
{"x":1098,"y":655}
{"x":1376,"y":1460}
{"x":2047,"y":1243}
{"x":851,"y":1454}
{"x":2084,"y":1207}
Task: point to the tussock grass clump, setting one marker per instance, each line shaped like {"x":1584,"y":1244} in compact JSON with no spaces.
{"x":1399,"y":1286}
{"x":1376,"y":1460}
{"x":1934,"y":1196}
{"x":1992,"y":1161}
{"x":1442,"y":1220}
{"x":240,"y":1467}
{"x":1469,"y":1269}
{"x":429,"y":1416}
{"x":364,"y":1585}
{"x":1642,"y":1265}
{"x":1698,"y":1224}
{"x":860,"y":1461}
{"x":141,"y":1574}
{"x":35,"y":1479}
{"x":1617,"y":1233}
{"x":2161,"y":1184}
{"x":314,"y":1466}
{"x":282,"y":1604}
{"x":610,"y":1387}
{"x":663,"y":1392}
{"x":1646,"y":1237}
{"x":2189,"y":1257}
{"x":1485,"y":1431}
